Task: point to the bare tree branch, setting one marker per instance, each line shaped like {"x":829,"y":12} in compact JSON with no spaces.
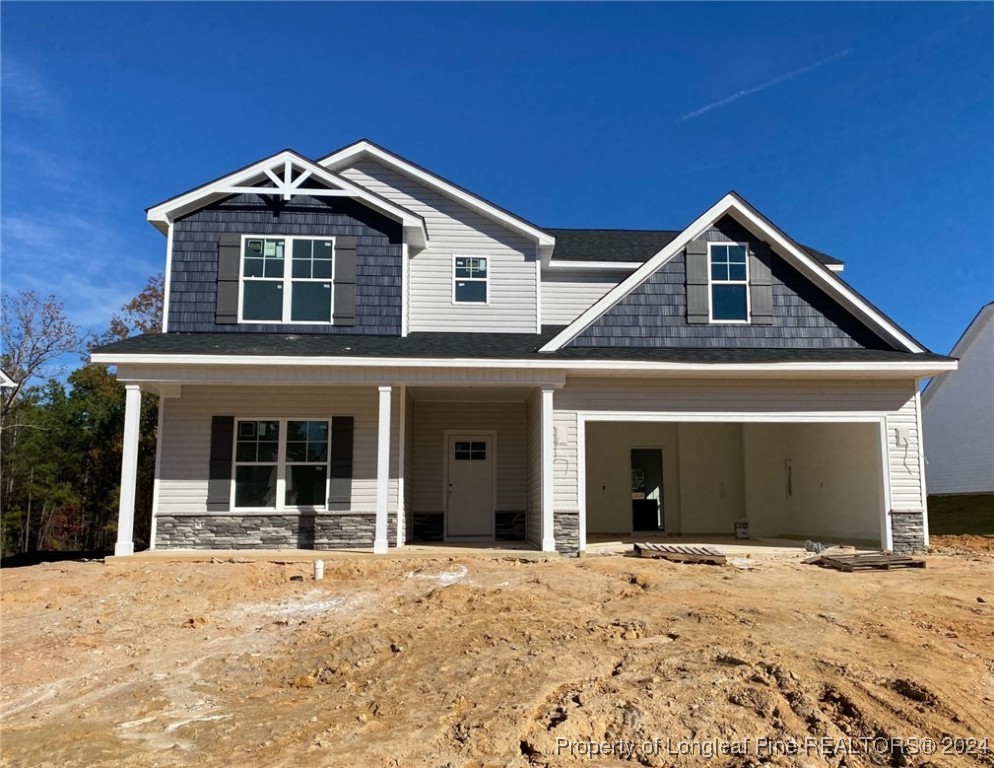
{"x":34,"y":332}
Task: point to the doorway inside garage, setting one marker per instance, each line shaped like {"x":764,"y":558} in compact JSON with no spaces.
{"x":817,"y":480}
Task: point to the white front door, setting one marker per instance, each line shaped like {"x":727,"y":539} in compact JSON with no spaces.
{"x":469,"y":507}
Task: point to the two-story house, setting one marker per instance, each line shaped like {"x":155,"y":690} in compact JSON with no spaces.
{"x":357,"y":352}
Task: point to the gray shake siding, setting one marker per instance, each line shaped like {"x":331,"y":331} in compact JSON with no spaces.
{"x":379,"y":272}
{"x":655,"y":313}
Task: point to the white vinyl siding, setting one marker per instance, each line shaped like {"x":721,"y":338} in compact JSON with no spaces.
{"x":958,"y":416}
{"x":892,"y":400}
{"x":566,"y":295}
{"x":431,"y":419}
{"x":453,"y":230}
{"x":186,"y":437}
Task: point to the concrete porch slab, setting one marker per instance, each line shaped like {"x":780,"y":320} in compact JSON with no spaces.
{"x":408,"y":552}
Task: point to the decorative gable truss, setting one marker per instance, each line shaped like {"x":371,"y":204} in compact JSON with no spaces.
{"x":692,"y":241}
{"x":284,"y":176}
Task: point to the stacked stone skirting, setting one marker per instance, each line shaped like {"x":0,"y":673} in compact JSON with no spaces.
{"x":316,"y":531}
{"x":566,"y":529}
{"x":908,"y":530}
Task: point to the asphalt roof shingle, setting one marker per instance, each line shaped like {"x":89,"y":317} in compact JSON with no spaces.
{"x":625,"y":245}
{"x":491,"y":346}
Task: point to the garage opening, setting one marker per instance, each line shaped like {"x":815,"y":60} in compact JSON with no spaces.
{"x":794,"y":480}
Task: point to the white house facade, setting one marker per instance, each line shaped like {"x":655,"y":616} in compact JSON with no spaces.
{"x":958,"y":415}
{"x":359,"y":353}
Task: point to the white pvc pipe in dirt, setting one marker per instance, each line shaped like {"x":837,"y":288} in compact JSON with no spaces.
{"x":318,"y":570}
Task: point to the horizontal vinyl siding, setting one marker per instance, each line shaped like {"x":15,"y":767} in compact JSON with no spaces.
{"x":431,"y":419}
{"x":905,"y":466}
{"x":566,"y":296}
{"x":454,"y":230}
{"x":186,"y":436}
{"x":564,"y":474}
{"x":894,"y":400}
{"x":958,"y":417}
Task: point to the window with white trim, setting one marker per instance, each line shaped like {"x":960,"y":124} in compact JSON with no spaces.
{"x":728,"y":276}
{"x":281,"y":463}
{"x":469,"y":279}
{"x":274,"y":291}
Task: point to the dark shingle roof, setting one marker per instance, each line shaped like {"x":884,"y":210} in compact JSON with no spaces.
{"x":494,"y":346}
{"x":625,"y":245}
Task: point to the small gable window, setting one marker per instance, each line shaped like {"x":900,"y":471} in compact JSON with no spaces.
{"x":287,"y":279}
{"x":728,"y":273}
{"x":469,"y":280}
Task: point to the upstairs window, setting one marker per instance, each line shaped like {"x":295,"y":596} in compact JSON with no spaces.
{"x":728,"y":273}
{"x":469,"y":280}
{"x":275,"y":291}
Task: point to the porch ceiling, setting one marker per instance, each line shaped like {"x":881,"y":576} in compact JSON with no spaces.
{"x":463,"y":394}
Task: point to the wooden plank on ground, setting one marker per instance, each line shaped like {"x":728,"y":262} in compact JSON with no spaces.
{"x":870,"y":560}
{"x":681,"y":553}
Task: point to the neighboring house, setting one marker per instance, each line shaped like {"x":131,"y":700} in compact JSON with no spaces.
{"x":6,"y":382}
{"x":358,"y":352}
{"x":958,"y":415}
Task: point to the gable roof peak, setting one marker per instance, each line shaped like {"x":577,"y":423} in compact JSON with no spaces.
{"x":787,"y":247}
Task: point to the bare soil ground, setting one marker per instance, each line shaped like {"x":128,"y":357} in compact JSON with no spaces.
{"x":476,"y":662}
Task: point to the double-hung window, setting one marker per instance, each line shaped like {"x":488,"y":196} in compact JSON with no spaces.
{"x":287,"y":279}
{"x":469,"y":279}
{"x":281,"y":463}
{"x":729,"y":282}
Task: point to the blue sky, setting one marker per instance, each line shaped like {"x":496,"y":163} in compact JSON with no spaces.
{"x":864,"y":130}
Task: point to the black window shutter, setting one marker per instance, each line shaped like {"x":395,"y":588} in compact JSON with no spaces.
{"x":219,"y":479}
{"x":228,"y":260}
{"x":345,"y":258}
{"x":698,"y":300}
{"x":760,"y":286}
{"x":342,"y":431}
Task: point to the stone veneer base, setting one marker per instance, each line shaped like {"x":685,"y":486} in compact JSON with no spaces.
{"x":908,"y":530}
{"x":276,"y":531}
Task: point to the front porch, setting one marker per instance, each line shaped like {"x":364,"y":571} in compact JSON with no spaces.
{"x":326,"y":469}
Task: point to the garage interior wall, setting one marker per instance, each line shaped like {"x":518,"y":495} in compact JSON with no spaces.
{"x":814,"y":480}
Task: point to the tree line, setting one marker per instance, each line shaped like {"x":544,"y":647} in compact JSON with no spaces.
{"x":61,"y":435}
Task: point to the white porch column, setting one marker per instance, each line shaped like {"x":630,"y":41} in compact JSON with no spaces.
{"x":129,"y":471}
{"x":548,"y":456}
{"x":401,"y":460}
{"x":380,"y":542}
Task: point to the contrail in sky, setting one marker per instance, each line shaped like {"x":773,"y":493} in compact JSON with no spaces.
{"x":768,"y":84}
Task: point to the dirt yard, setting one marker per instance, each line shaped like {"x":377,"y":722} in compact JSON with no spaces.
{"x":476,"y":662}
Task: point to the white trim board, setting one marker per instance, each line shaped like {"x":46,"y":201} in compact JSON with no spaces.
{"x":575,"y":367}
{"x":733,"y":205}
{"x":351,"y":154}
{"x":607,"y":266}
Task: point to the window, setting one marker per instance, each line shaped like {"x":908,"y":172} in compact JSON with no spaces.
{"x":274,"y":292}
{"x":256,"y":463}
{"x":729,"y":282}
{"x":471,"y":451}
{"x":469,"y":280}
{"x":281,"y":463}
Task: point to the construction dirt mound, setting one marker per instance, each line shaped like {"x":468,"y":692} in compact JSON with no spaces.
{"x":485,"y":662}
